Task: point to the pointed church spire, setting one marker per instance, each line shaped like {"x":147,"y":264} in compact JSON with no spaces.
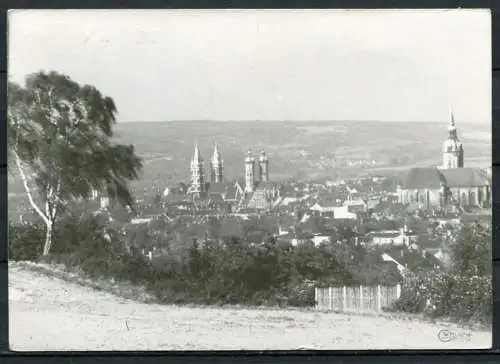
{"x":216,"y":158}
{"x":453,"y":153}
{"x":263,"y":167}
{"x":452,"y":119}
{"x":249,"y":157}
{"x":197,"y":174}
{"x":216,"y":166}
{"x":263,"y":156}
{"x":197,"y":154}
{"x":452,"y":128}
{"x":249,"y":172}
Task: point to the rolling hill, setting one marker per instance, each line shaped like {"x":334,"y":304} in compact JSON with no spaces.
{"x":303,"y":150}
{"x":297,"y":149}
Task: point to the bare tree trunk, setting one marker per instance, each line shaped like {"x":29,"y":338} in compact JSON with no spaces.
{"x":50,"y":209}
{"x":48,"y":239}
{"x":28,"y":189}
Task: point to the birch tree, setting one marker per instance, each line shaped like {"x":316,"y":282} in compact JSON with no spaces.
{"x":60,"y":145}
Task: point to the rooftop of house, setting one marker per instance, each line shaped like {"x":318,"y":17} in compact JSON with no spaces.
{"x":357,"y":202}
{"x":384,"y":234}
{"x":372,"y":203}
{"x":413,"y":260}
{"x":150,"y":210}
{"x":476,"y":217}
{"x":327,"y":199}
{"x":170,"y":198}
{"x":303,"y":235}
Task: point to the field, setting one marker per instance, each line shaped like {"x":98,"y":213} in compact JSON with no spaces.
{"x":47,"y":313}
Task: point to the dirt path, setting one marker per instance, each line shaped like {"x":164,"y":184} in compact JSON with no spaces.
{"x":48,"y":313}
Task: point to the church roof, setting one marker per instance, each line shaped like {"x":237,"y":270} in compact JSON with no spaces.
{"x":465,"y":177}
{"x":261,"y":185}
{"x":218,"y":188}
{"x":226,"y":189}
{"x":231,"y":192}
{"x":423,"y":177}
{"x":258,"y":199}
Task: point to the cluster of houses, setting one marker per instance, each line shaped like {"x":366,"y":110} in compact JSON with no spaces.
{"x":306,"y":213}
{"x":294,"y":217}
{"x":298,"y":212}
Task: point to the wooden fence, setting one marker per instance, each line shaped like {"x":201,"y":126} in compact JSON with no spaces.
{"x":356,"y":299}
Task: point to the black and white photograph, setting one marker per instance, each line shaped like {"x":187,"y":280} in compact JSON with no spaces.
{"x":249,"y":180}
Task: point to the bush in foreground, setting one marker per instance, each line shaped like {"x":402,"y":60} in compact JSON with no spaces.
{"x":463,"y":291}
{"x":273,"y":274}
{"x":233,"y":272}
{"x":25,"y":241}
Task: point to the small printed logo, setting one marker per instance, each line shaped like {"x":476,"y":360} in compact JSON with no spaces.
{"x":447,"y":336}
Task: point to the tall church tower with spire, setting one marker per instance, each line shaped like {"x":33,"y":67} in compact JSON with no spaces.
{"x":453,"y":152}
{"x":197,"y":187}
{"x":249,"y":172}
{"x":216,"y":167}
{"x":263,"y":167}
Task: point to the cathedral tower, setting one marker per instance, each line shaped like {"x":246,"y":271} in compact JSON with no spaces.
{"x":197,"y":174}
{"x":453,"y":152}
{"x":249,"y":172}
{"x":216,"y":165}
{"x":263,"y":167}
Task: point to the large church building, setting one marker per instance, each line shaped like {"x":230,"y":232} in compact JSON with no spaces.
{"x":254,"y":191}
{"x":450,"y":184}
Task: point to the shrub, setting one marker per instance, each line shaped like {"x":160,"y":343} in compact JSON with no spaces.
{"x":25,"y":241}
{"x":235,"y":272}
{"x":301,"y":295}
{"x":132,"y":268}
{"x":461,"y":292}
{"x":465,"y":299}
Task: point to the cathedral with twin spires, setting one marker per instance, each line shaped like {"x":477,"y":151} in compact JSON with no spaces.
{"x":254,"y":191}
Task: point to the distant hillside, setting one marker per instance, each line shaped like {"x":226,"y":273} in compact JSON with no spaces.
{"x":309,"y":150}
{"x":299,"y":149}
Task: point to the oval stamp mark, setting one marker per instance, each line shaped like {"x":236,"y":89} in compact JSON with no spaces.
{"x":447,"y":336}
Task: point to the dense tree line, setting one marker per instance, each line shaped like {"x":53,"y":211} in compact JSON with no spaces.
{"x":234,"y":271}
{"x":230,"y":270}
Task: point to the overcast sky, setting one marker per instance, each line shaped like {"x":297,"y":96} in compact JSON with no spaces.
{"x":267,"y":65}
